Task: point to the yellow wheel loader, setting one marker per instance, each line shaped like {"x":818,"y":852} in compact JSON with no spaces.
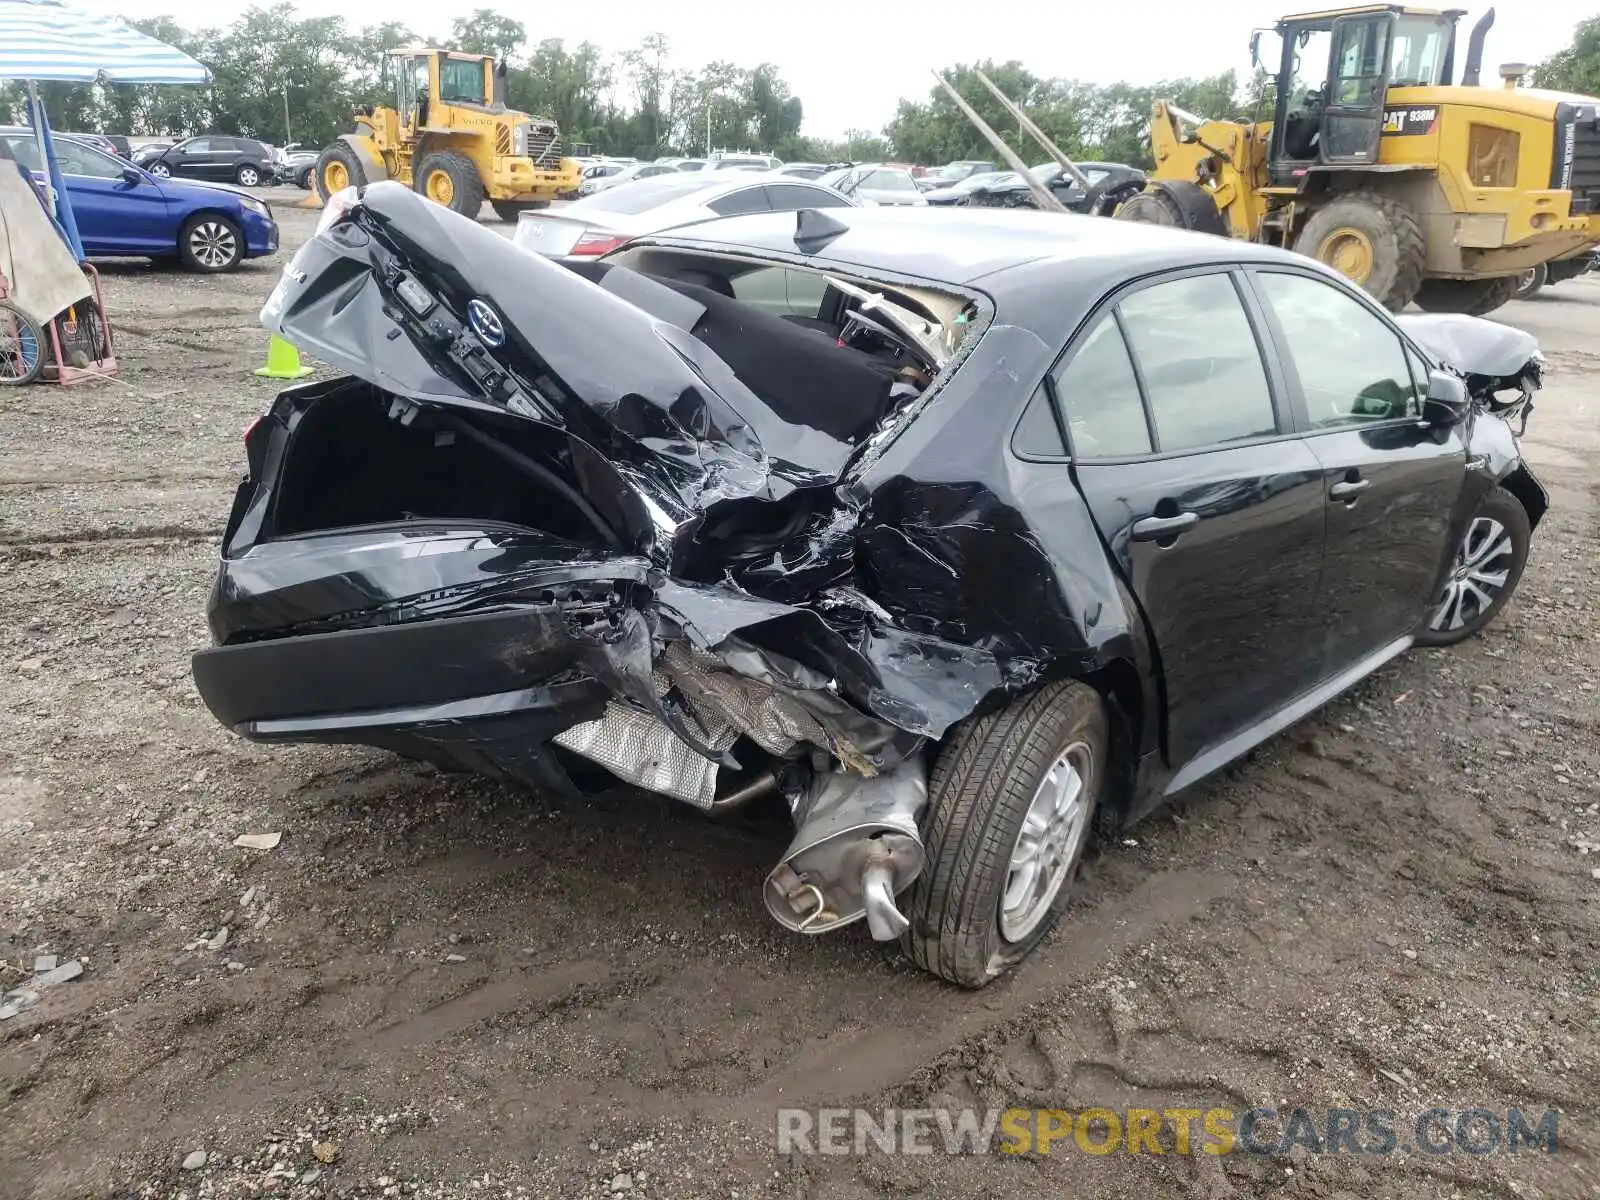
{"x":1376,"y":165}
{"x":450,"y":137}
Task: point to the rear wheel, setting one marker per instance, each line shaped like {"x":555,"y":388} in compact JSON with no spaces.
{"x":21,"y":346}
{"x":1373,"y":241}
{"x":338,"y":168}
{"x":451,"y":179}
{"x":210,"y":243}
{"x":1531,"y":281}
{"x":508,"y":210}
{"x":1475,"y":297}
{"x":1010,"y":807}
{"x":247,"y":176}
{"x":1487,"y":566}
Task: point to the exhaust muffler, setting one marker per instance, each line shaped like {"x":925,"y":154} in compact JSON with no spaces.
{"x":855,"y":848}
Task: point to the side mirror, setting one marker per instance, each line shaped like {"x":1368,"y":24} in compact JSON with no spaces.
{"x":1447,"y":402}
{"x":132,"y":176}
{"x":1255,"y":49}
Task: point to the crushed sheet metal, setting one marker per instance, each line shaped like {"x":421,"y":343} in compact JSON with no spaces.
{"x":772,"y":720}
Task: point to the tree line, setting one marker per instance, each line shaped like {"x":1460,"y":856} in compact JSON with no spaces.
{"x":282,"y":78}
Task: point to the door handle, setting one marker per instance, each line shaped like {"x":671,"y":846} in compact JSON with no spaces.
{"x":1153,"y":529}
{"x":1349,"y":489}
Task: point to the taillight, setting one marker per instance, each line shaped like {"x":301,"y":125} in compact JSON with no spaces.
{"x":595,"y":244}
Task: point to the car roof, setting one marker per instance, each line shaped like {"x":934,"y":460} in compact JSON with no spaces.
{"x":1016,"y":256}
{"x":705,"y":186}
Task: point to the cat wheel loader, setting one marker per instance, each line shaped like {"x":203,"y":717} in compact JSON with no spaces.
{"x":1374,"y":163}
{"x":450,"y":137}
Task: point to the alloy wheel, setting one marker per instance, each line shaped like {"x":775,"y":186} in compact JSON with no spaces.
{"x":1047,"y":845}
{"x":161,"y":171}
{"x":213,"y":244}
{"x":248,"y":176}
{"x":1477,"y":577}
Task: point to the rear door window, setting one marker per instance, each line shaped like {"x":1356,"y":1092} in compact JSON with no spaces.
{"x":782,"y":290}
{"x":745,"y":200}
{"x":784,"y":197}
{"x":1199,"y":363}
{"x":1099,"y":396}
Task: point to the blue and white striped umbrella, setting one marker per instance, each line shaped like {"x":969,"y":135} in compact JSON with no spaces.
{"x":45,"y":39}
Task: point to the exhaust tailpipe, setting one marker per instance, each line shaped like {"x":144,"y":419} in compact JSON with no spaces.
{"x":855,"y":847}
{"x":1472,"y":69}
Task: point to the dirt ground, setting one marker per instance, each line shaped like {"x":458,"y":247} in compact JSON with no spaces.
{"x":451,"y":988}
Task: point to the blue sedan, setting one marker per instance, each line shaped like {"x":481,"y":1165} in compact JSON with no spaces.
{"x":124,"y":211}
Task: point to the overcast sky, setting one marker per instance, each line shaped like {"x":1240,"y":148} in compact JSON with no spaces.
{"x":850,"y":62}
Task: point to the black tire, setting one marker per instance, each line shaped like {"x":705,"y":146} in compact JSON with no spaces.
{"x":509,"y":210}
{"x":1474,"y":297}
{"x":466,"y":188}
{"x":248,"y":175}
{"x":306,"y":178}
{"x":1506,"y":511}
{"x":1151,"y":208}
{"x":1531,"y":282}
{"x":1110,"y":202}
{"x":988,"y":774}
{"x":1397,"y":250}
{"x":1177,"y":203}
{"x":341,"y":153}
{"x":160,"y":170}
{"x":210,"y":243}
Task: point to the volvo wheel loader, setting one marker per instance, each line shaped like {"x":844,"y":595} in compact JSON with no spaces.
{"x":1375,"y":163}
{"x":450,"y":136}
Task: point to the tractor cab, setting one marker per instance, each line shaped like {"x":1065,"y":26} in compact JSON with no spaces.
{"x":424,"y":79}
{"x":1334,"y":76}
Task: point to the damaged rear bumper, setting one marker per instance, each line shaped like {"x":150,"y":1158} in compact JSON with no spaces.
{"x":483,"y":649}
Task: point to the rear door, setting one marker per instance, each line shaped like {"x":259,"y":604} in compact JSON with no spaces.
{"x":1209,"y":505}
{"x":1358,"y":80}
{"x":192,"y":159}
{"x":1391,"y":482}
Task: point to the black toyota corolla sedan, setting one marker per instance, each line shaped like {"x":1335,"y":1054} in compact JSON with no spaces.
{"x":966,"y":534}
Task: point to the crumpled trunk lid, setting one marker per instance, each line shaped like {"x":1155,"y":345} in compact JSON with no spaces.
{"x":440,"y":310}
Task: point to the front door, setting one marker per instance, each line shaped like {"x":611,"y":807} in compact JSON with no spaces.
{"x":1212,"y":510}
{"x":191,"y":159}
{"x":116,"y":212}
{"x":1358,"y":80}
{"x":1391,"y":483}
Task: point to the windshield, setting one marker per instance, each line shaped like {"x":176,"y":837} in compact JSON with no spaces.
{"x":1045,"y":172}
{"x":461,"y":80}
{"x":988,"y":179}
{"x":643,"y":194}
{"x":1416,"y":58}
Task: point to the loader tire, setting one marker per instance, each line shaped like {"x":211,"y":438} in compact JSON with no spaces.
{"x":1475,"y":297}
{"x":337,"y":168}
{"x":509,"y":210}
{"x":1175,"y":203}
{"x":999,"y":790}
{"x":1374,"y":241}
{"x":452,"y":180}
{"x":1532,"y":281}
